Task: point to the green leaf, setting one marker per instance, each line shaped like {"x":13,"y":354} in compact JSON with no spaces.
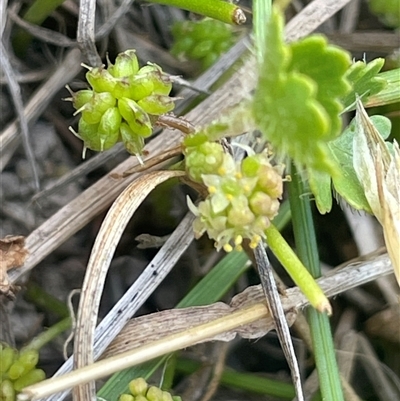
{"x":295,"y":106}
{"x":391,"y":92}
{"x":320,"y":185}
{"x":365,"y":81}
{"x":326,"y":65}
{"x":346,"y":183}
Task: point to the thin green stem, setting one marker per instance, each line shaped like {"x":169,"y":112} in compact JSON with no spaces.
{"x":244,"y":381}
{"x":297,"y":271}
{"x":50,"y":334}
{"x":217,"y":9}
{"x":306,"y":245}
{"x":261,"y":14}
{"x":45,"y":301}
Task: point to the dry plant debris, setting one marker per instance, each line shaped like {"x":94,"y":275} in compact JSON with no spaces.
{"x":12,"y":255}
{"x":58,"y":227}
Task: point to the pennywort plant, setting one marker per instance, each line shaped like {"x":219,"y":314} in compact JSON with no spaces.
{"x":302,"y":90}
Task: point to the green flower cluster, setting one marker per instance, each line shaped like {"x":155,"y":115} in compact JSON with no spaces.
{"x":203,"y":40}
{"x":17,"y":370}
{"x":141,"y":391}
{"x":122,"y":104}
{"x":242,"y":197}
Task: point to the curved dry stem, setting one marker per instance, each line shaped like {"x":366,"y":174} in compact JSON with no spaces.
{"x":100,"y":259}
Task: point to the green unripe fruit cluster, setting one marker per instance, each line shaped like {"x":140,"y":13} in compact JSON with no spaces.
{"x":17,"y":370}
{"x":203,"y":41}
{"x":242,"y":197}
{"x":141,"y":391}
{"x":122,"y":104}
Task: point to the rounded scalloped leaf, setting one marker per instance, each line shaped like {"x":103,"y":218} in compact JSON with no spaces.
{"x":278,"y":52}
{"x":326,"y":65}
{"x":286,"y":107}
{"x":293,"y":121}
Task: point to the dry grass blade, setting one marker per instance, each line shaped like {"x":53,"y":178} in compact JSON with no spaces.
{"x":138,"y":293}
{"x":274,"y":303}
{"x":311,"y":17}
{"x":102,"y":252}
{"x":15,"y":92}
{"x":386,"y":388}
{"x":248,"y":316}
{"x":85,"y":34}
{"x":44,"y":34}
{"x":9,"y":138}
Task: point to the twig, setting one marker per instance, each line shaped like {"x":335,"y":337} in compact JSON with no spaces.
{"x":15,"y":92}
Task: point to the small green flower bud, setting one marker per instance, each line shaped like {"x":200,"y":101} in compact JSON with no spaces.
{"x":32,"y":377}
{"x":203,"y":159}
{"x":97,"y":106}
{"x":166,"y":396}
{"x":100,"y":79}
{"x":138,"y":386}
{"x":157,"y":104}
{"x":270,"y":181}
{"x":110,"y":121}
{"x":80,"y":98}
{"x":195,"y":139}
{"x":17,"y":369}
{"x":7,"y":356}
{"x":87,"y":131}
{"x":250,"y":166}
{"x":231,"y":187}
{"x":122,"y":88}
{"x":126,"y":64}
{"x":140,"y":398}
{"x":261,"y":203}
{"x":150,"y":67}
{"x":162,"y":82}
{"x":154,"y":394}
{"x":138,"y":120}
{"x":126,"y":397}
{"x":29,"y":358}
{"x":240,"y":216}
{"x":7,"y":392}
{"x":163,"y":85}
{"x":140,"y":86}
{"x":92,"y":139}
{"x":133,"y":143}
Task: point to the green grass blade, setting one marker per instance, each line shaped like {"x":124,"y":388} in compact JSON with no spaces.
{"x":306,"y":245}
{"x":245,"y":381}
